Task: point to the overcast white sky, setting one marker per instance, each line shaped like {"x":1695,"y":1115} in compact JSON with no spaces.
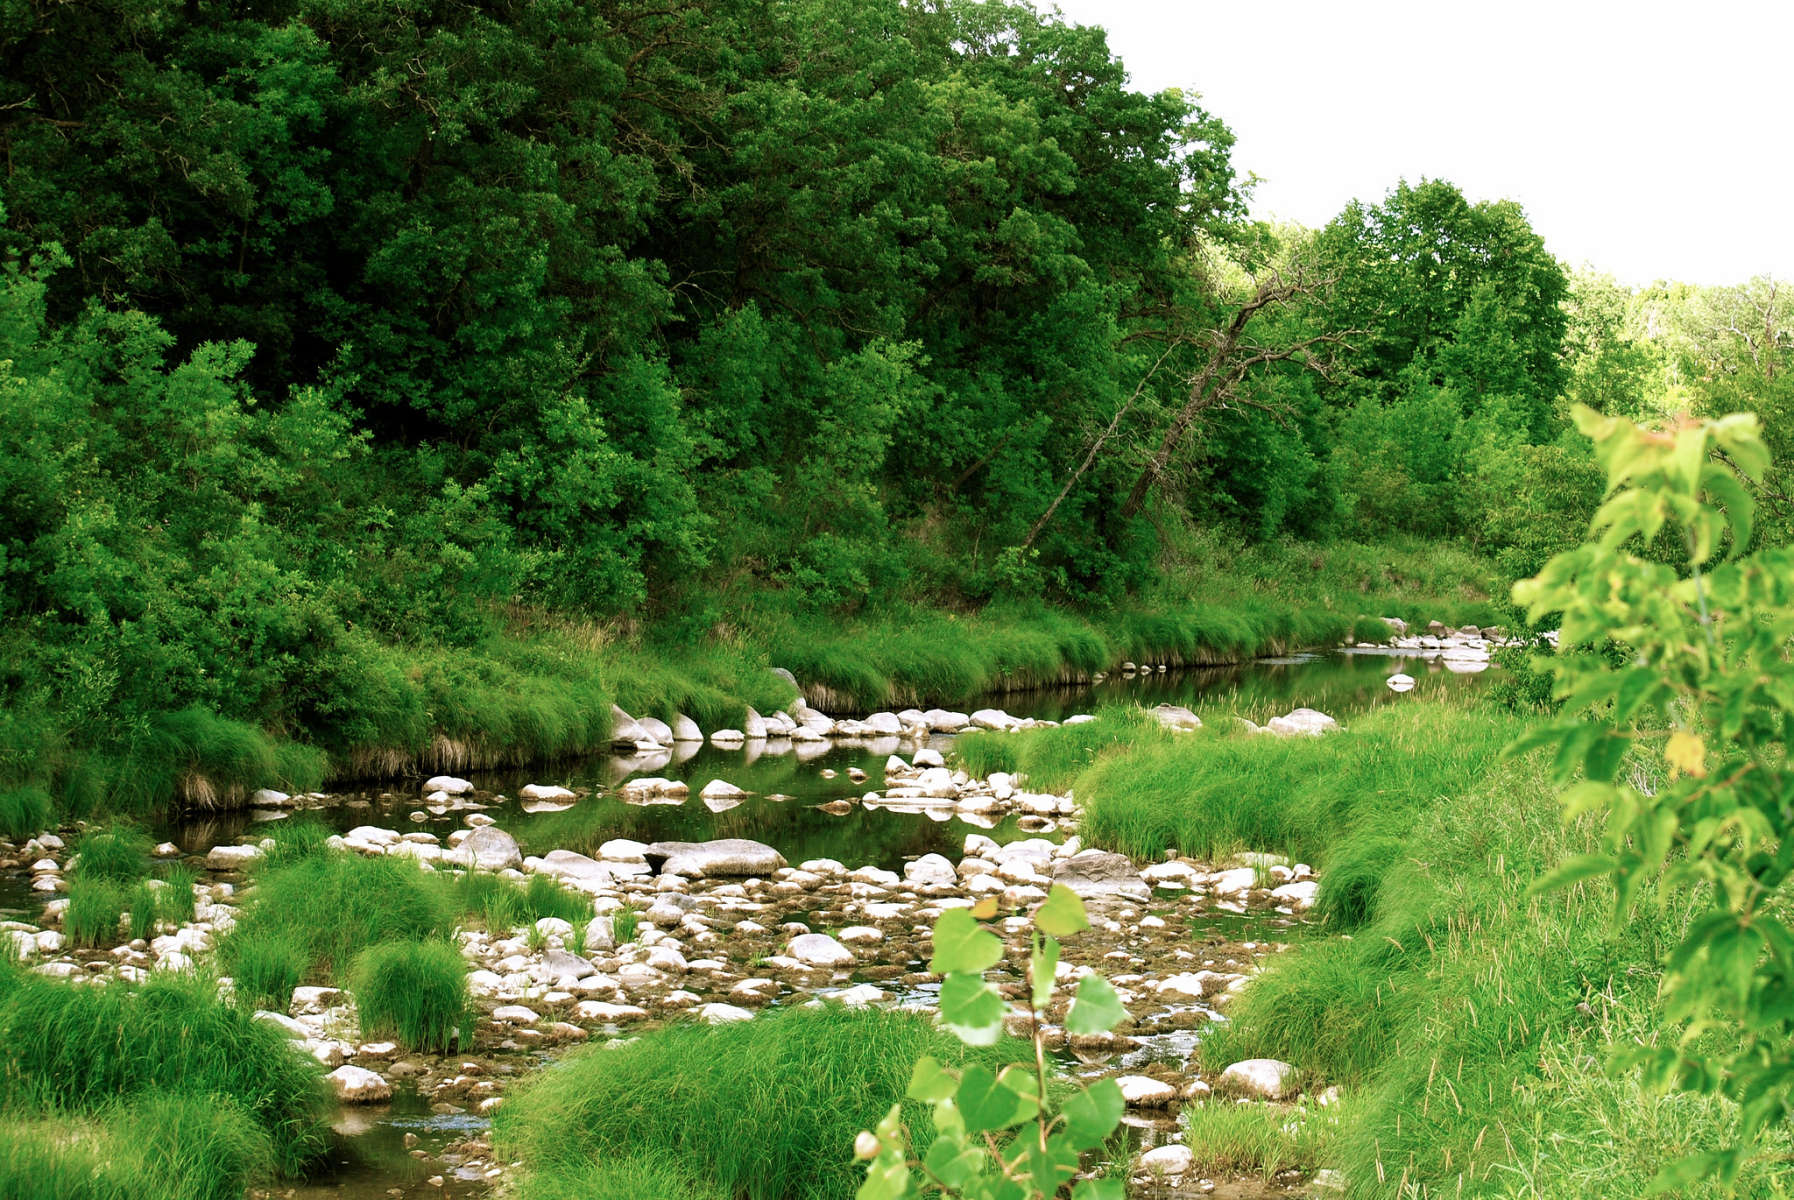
{"x":1653,"y":140}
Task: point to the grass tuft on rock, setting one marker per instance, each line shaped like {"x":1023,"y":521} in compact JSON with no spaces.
{"x":416,"y":991}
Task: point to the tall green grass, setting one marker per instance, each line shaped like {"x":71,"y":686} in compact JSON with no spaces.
{"x":174,"y":1147}
{"x":1467,"y":1018}
{"x":119,"y":853}
{"x":1328,"y":799}
{"x":762,"y":1110}
{"x":416,"y":991}
{"x":1054,"y":757}
{"x":25,"y":811}
{"x":327,"y":908}
{"x":76,"y":1050}
{"x":96,"y":906}
{"x":177,"y":901}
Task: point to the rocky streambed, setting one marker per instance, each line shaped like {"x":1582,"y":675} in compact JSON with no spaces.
{"x":724,"y":927}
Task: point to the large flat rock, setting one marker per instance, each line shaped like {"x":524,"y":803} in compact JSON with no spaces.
{"x":727,"y":856}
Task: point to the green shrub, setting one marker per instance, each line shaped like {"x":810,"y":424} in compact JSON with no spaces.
{"x":77,"y":1050}
{"x":416,"y":991}
{"x":764,"y":1109}
{"x":96,"y":906}
{"x":24,"y":812}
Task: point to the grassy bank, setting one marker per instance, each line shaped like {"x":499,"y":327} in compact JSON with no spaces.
{"x":761,"y":1110}
{"x":1466,"y":1019}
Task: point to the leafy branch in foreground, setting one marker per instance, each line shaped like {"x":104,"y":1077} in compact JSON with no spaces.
{"x":1708,"y":694}
{"x":1000,"y":1135}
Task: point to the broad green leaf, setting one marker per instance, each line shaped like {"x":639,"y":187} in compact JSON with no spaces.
{"x":930,"y":1081}
{"x":952,"y":1163}
{"x":1683,"y":1172}
{"x":1041,"y":964}
{"x":986,"y":1104}
{"x":971,"y":1009}
{"x":1097,"y":1009}
{"x":886,"y":1181}
{"x":960,"y":945}
{"x":1050,"y":1166}
{"x":1021,"y":1080}
{"x":1062,"y":914}
{"x":1100,"y":1189}
{"x":1092,"y":1114}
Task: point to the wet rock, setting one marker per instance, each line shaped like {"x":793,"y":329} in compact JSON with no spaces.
{"x":539,"y":791}
{"x":1299,"y":895}
{"x":1100,"y":873}
{"x":931,"y":870}
{"x":659,"y":731}
{"x":1302,"y":722}
{"x":575,"y":870}
{"x":564,"y":968}
{"x":623,"y":850}
{"x":819,"y":950}
{"x":1176,"y":716}
{"x":599,"y":1010}
{"x":994,"y":718}
{"x":728,"y":737}
{"x":448,"y":784}
{"x":1170,"y":1161}
{"x":927,"y":756}
{"x":1400,"y":682}
{"x":514,"y":1014}
{"x":269,"y":798}
{"x":685,"y":729}
{"x":755,"y":726}
{"x":721,"y":789}
{"x":292,"y":1028}
{"x":722,"y":1014}
{"x":860,"y":995}
{"x":358,"y":1085}
{"x":710,"y":860}
{"x":942,"y":721}
{"x":1180,"y":987}
{"x":231,"y":858}
{"x":1266,"y":1078}
{"x":1143,"y":1091}
{"x":1235,"y":882}
{"x":488,"y":849}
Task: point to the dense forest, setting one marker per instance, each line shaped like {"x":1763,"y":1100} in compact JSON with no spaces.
{"x":359,"y":363}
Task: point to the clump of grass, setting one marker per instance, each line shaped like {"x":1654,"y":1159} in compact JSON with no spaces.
{"x":636,"y":1178}
{"x":78,"y":1050}
{"x":333,"y":906}
{"x":198,"y":1147}
{"x":145,"y":906}
{"x":1211,"y":794}
{"x":1260,"y":1139}
{"x":96,"y":906}
{"x":177,"y":902}
{"x":1052,"y":758}
{"x":414,"y":990}
{"x":266,"y":965}
{"x":294,"y":840}
{"x":624,"y":924}
{"x":764,"y":1109}
{"x":119,"y":853}
{"x":545,"y":897}
{"x":25,"y":811}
